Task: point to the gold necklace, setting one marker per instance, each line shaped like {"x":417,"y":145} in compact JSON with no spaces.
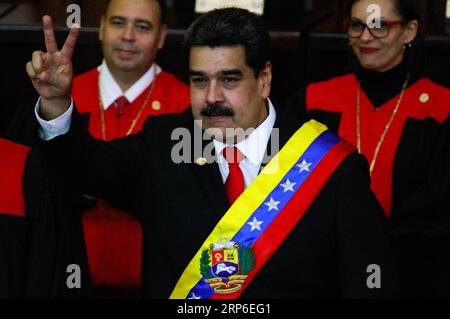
{"x":386,"y":128}
{"x":135,"y":120}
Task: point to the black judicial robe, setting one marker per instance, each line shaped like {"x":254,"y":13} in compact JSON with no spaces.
{"x":38,"y":244}
{"x":420,"y":169}
{"x":178,"y":205}
{"x":421,"y":230}
{"x":12,"y":220}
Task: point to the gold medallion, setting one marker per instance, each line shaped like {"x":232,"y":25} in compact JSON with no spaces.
{"x":156,"y":105}
{"x":424,"y":98}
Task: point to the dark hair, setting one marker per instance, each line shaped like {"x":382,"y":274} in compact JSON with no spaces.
{"x":232,"y":27}
{"x":416,"y":54}
{"x":162,"y":6}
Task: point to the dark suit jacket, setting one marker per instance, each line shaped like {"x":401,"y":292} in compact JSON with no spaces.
{"x":325,"y":256}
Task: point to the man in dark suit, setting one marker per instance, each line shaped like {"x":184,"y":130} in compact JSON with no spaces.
{"x":336,"y":247}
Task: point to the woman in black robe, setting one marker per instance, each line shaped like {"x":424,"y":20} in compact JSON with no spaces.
{"x":395,"y":115}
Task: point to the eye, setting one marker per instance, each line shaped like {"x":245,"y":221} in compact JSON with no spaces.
{"x":356,"y":25}
{"x":229,"y":79}
{"x":142,"y":27}
{"x":384,"y":26}
{"x":117,"y":22}
{"x":199,"y":81}
{"x":229,"y":82}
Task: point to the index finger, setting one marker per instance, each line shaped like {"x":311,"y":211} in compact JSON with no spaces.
{"x":69,"y":45}
{"x":49,"y":34}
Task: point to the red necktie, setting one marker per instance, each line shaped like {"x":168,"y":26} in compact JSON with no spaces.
{"x":234,"y":184}
{"x":121,"y":103}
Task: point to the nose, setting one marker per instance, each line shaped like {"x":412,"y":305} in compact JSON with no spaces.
{"x":366,"y":35}
{"x":128,"y":33}
{"x":214,"y":93}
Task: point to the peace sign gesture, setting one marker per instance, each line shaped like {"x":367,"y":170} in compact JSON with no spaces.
{"x":51,"y":72}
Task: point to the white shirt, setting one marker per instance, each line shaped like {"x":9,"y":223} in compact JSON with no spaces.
{"x":253,"y":147}
{"x":110,"y":91}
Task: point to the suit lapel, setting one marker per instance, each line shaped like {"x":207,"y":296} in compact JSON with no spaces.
{"x":210,"y":181}
{"x":209,"y":177}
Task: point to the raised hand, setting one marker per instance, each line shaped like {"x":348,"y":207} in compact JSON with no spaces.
{"x":51,"y":72}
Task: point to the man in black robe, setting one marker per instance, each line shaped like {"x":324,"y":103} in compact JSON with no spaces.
{"x":327,"y":254}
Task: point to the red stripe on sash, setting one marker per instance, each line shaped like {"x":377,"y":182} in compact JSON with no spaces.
{"x":12,"y":164}
{"x":294,"y":210}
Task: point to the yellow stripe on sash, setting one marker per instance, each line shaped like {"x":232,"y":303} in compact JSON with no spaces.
{"x":251,"y":199}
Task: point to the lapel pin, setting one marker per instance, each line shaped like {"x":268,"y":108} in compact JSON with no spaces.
{"x":156,"y":105}
{"x":201,"y":161}
{"x":424,"y":98}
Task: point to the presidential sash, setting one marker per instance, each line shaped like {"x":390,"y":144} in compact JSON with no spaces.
{"x":263,"y":216}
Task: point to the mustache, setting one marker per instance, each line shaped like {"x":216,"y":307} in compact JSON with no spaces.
{"x":217,"y":110}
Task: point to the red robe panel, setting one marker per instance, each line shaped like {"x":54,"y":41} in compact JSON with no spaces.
{"x":13,"y":157}
{"x":424,"y":99}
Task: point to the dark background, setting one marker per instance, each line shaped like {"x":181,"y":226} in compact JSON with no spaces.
{"x":308,"y":43}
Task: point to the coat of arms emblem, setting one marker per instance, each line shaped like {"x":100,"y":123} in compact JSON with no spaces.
{"x":225,"y":265}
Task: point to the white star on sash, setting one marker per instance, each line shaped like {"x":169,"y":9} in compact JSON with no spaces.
{"x":194,"y":297}
{"x":304,"y":166}
{"x":272,"y":204}
{"x":256,"y":224}
{"x":288,"y":186}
